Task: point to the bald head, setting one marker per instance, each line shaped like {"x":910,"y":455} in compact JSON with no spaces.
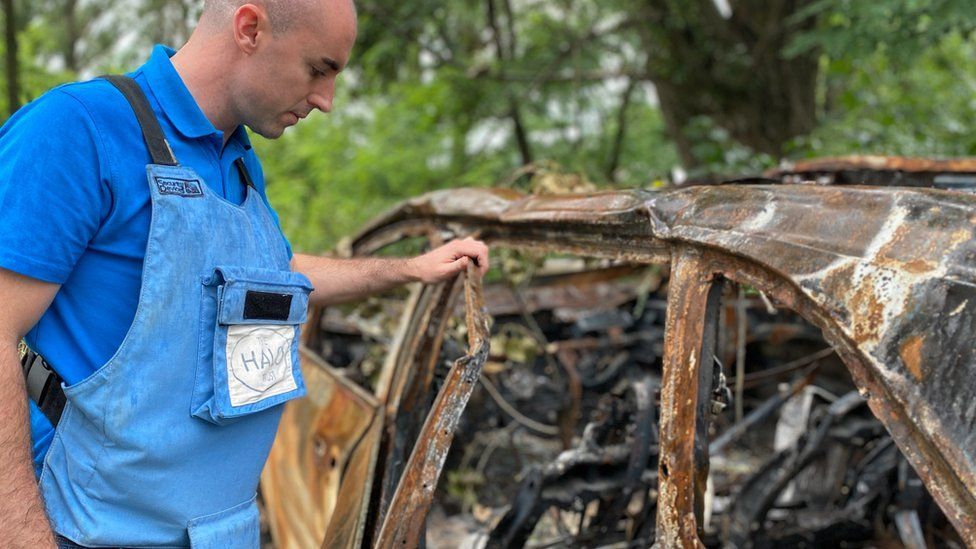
{"x":266,"y":64}
{"x":283,"y":14}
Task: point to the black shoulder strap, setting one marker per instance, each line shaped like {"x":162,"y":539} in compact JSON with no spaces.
{"x":159,"y":148}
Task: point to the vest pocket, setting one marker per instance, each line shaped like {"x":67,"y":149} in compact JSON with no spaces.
{"x":237,"y":527}
{"x":248,"y":355}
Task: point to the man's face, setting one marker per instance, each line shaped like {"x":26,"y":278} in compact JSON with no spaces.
{"x":295,"y":71}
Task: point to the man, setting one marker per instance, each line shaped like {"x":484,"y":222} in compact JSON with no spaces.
{"x":140,"y":258}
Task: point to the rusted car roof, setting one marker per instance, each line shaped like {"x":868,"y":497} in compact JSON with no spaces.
{"x":882,"y":163}
{"x":887,"y":273}
{"x":954,"y":173}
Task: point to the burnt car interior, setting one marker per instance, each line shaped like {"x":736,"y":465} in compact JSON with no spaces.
{"x":775,"y":365}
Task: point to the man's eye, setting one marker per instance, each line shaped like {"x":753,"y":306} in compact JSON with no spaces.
{"x":316,"y":72}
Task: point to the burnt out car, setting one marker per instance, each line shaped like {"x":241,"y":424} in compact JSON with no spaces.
{"x":731,"y":365}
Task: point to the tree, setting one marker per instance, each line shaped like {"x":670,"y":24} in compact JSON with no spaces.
{"x":904,"y":28}
{"x":11,"y":58}
{"x":898,"y":78}
{"x":79,"y":39}
{"x":730,"y":68}
{"x":467,"y":92}
{"x":168,"y":21}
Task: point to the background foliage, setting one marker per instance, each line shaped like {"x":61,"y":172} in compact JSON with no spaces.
{"x":619,"y":92}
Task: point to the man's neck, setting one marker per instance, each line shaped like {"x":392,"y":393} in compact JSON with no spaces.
{"x":201,"y":77}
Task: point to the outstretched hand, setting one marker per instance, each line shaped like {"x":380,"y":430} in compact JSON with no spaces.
{"x":447,"y":261}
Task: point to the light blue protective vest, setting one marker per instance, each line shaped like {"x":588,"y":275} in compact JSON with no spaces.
{"x":164,"y":444}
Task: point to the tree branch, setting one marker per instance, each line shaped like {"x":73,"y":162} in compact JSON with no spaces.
{"x":518,"y":126}
{"x":589,"y":76}
{"x":618,"y":140}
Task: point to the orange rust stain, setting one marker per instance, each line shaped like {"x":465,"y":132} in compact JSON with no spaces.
{"x":836,"y":198}
{"x":919,"y":266}
{"x":893,"y":243}
{"x":867,"y":313}
{"x":838,"y":279}
{"x":911,"y":355}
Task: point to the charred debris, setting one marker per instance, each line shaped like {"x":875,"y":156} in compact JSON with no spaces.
{"x":773,"y":365}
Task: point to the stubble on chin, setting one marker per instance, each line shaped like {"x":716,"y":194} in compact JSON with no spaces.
{"x":268,"y":131}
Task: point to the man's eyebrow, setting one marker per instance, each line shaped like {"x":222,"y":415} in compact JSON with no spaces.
{"x":331,"y":63}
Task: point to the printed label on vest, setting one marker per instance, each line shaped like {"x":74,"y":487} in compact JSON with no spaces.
{"x":259,"y":362}
{"x":179,"y":187}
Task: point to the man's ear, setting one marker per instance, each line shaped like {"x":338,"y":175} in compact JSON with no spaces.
{"x":250,"y":27}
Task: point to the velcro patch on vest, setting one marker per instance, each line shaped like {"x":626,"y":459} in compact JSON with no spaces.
{"x":179,"y":187}
{"x":266,"y":306}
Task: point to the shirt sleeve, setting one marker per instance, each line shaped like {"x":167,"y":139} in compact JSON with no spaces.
{"x":54,"y":189}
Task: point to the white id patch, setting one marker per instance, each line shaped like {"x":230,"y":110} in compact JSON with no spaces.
{"x":259,"y":362}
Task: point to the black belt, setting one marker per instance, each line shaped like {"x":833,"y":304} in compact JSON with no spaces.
{"x":43,"y":386}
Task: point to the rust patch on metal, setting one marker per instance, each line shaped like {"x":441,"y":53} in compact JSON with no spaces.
{"x":685,"y":325}
{"x":918,"y":266}
{"x":319,"y":473}
{"x":956,"y":174}
{"x":899,"y":163}
{"x":911,"y":355}
{"x":403,"y":525}
{"x":869,"y":310}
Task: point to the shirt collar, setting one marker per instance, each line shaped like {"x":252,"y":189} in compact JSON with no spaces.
{"x":240,"y":136}
{"x":177,"y":102}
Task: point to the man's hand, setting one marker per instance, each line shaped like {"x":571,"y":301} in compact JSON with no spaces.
{"x":343,"y":280}
{"x":448,"y":260}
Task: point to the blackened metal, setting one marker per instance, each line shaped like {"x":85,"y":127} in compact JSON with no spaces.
{"x":403,"y":525}
{"x":760,"y":413}
{"x":614,"y":505}
{"x":592,"y":470}
{"x":406,"y":393}
{"x":760,"y":492}
{"x":874,"y":268}
{"x":708,"y":374}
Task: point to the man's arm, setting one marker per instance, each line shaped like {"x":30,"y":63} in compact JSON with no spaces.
{"x":22,"y":301}
{"x":341,"y":280}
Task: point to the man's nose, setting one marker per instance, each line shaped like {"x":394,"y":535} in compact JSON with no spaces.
{"x":321,"y":97}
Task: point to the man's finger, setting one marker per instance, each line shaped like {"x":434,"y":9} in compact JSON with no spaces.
{"x":461,"y":263}
{"x":482,"y":257}
{"x":479,"y":251}
{"x":468,"y":247}
{"x":471,"y":248}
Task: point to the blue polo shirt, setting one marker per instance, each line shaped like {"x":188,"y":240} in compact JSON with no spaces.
{"x":75,"y":206}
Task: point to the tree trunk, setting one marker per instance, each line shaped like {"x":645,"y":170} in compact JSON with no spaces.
{"x":617,"y":146}
{"x":730,"y":70}
{"x":12,"y":61}
{"x":514,"y":112}
{"x":71,"y":35}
